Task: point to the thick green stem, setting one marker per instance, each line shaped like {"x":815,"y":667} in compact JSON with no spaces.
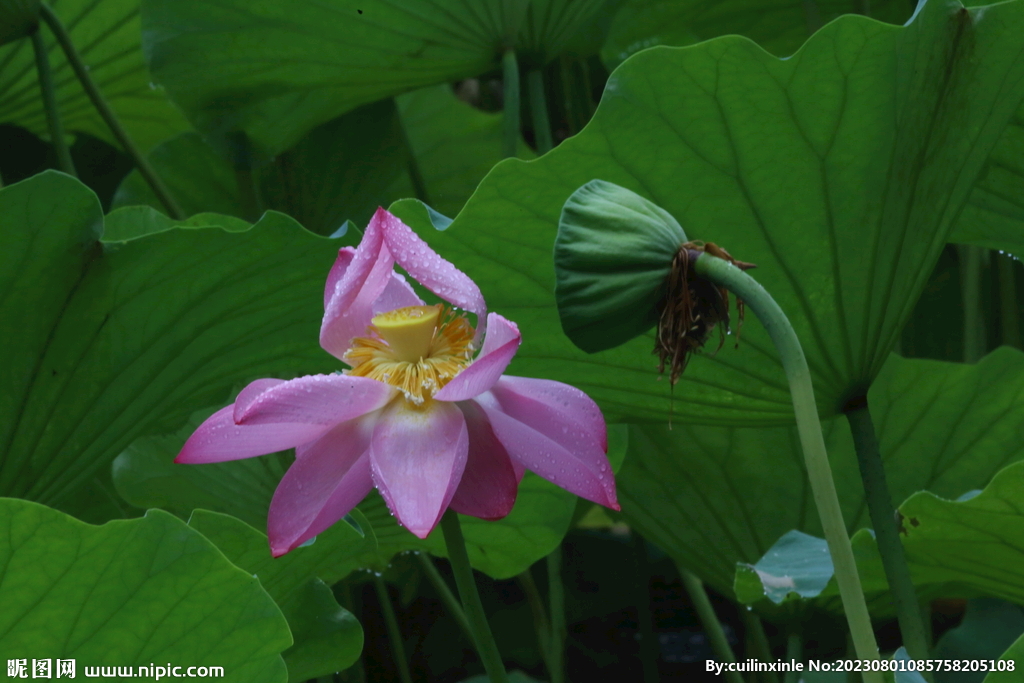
{"x":1009,"y":313}
{"x":971,"y":262}
{"x":483,"y":638}
{"x":510,"y":81}
{"x":887,"y":534}
{"x":540,"y":616}
{"x":539,"y":111}
{"x":794,"y":653}
{"x":100,"y":103}
{"x":60,"y":142}
{"x":819,"y":471}
{"x":758,"y":641}
{"x":556,"y":606}
{"x":447,"y":597}
{"x":648,"y":645}
{"x":394,"y":633}
{"x":709,"y":620}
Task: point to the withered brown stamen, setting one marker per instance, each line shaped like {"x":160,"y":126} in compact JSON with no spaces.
{"x":692,"y":308}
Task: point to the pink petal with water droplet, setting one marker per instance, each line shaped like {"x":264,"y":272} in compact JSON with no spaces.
{"x":341,"y":264}
{"x":350,"y":306}
{"x":430,"y":270}
{"x":500,"y":345}
{"x":316,"y":399}
{"x":219,"y":439}
{"x":555,"y":431}
{"x":417,"y":457}
{"x":489,"y":484}
{"x":251,"y":392}
{"x":328,"y":478}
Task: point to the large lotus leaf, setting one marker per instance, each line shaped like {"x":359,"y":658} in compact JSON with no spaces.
{"x":146,"y":476}
{"x":779,"y":26}
{"x":108,"y":37}
{"x":18,"y":18}
{"x":988,"y":629}
{"x":837,"y":171}
{"x":342,"y":169}
{"x":994,"y":217}
{"x":339,"y":171}
{"x":108,"y":343}
{"x":327,"y":637}
{"x":712,"y":496}
{"x":959,"y":548}
{"x":455,"y":146}
{"x":131,"y":593}
{"x":1010,"y":664}
{"x":277,"y":69}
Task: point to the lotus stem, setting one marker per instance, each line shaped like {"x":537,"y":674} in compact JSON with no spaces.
{"x":483,"y":638}
{"x":709,"y":620}
{"x":648,"y":644}
{"x":447,"y":597}
{"x":971,"y":262}
{"x":539,"y":112}
{"x":887,"y":534}
{"x":49,"y":92}
{"x":794,"y":653}
{"x":757,"y":641}
{"x":104,"y":110}
{"x":1009,"y":312}
{"x":510,"y":80}
{"x":556,"y":600}
{"x":394,"y":632}
{"x":819,"y":472}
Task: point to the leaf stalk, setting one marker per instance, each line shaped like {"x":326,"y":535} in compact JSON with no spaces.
{"x":819,"y":471}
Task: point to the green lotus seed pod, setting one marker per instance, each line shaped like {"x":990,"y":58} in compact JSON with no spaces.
{"x":18,"y":18}
{"x":613,"y":254}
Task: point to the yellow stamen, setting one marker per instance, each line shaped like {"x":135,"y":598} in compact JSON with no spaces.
{"x":418,"y":350}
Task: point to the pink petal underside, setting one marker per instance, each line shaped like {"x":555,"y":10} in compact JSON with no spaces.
{"x":316,"y":399}
{"x":350,"y":307}
{"x":550,"y":429}
{"x":489,"y":483}
{"x":328,"y":478}
{"x":430,"y":270}
{"x":219,"y":439}
{"x":397,"y":293}
{"x":500,"y":345}
{"x":341,"y":264}
{"x":418,"y":456}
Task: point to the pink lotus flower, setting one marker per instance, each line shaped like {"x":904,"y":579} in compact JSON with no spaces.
{"x":416,"y":415}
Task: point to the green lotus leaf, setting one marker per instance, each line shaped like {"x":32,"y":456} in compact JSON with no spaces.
{"x":955,"y":548}
{"x":1013,"y":656}
{"x":613,"y":253}
{"x":714,"y":496}
{"x":131,"y":593}
{"x":18,"y":19}
{"x":779,"y":26}
{"x":994,"y":217}
{"x":327,"y":637}
{"x":275,"y":70}
{"x":108,"y":37}
{"x":988,"y":629}
{"x":838,"y":171}
{"x":129,"y":338}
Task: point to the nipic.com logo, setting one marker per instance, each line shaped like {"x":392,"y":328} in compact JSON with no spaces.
{"x":66,"y":668}
{"x":41,"y":668}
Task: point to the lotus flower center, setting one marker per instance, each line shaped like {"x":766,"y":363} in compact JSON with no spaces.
{"x":417,"y":349}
